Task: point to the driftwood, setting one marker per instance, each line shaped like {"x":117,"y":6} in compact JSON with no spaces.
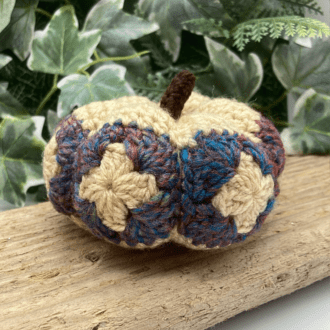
{"x":55,"y":275}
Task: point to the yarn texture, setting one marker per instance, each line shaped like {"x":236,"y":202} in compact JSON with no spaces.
{"x":201,"y":172}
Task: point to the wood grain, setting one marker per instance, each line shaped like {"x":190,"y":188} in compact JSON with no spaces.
{"x":55,"y":275}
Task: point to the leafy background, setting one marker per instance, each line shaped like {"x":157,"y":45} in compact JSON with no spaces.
{"x":56,"y":55}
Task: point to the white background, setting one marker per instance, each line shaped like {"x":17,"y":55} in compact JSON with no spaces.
{"x":305,"y":309}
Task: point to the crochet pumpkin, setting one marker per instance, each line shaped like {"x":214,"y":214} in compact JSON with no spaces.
{"x":193,"y":170}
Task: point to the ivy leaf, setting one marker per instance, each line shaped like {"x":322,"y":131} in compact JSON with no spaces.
{"x":118,"y":29}
{"x":4,"y":60}
{"x":301,"y":41}
{"x":60,"y":48}
{"x":18,"y":34}
{"x":9,"y":106}
{"x":311,"y":131}
{"x":296,"y":66}
{"x":52,"y":121}
{"x":4,"y":84}
{"x":106,"y":83}
{"x":172,"y":17}
{"x":206,"y":26}
{"x":6,"y":7}
{"x":20,"y":157}
{"x":232,"y":77}
{"x":287,"y":142}
{"x":262,"y":49}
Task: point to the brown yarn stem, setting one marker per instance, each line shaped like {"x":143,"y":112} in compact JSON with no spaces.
{"x":177,"y":93}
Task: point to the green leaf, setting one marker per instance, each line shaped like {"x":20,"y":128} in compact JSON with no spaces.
{"x":206,"y":26}
{"x":172,"y":15}
{"x":60,"y":48}
{"x":232,"y":77}
{"x":119,"y":28}
{"x":9,"y":106}
{"x":106,"y":83}
{"x":41,"y":195}
{"x":4,"y":84}
{"x":263,"y":49}
{"x":4,"y":60}
{"x":301,"y":41}
{"x":287,"y":142}
{"x":311,"y":131}
{"x":6,"y":7}
{"x":21,"y":148}
{"x":52,"y":121}
{"x":296,"y":66}
{"x":157,"y":52}
{"x":18,"y":34}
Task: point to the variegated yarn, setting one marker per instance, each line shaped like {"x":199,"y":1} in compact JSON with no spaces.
{"x":140,"y":174}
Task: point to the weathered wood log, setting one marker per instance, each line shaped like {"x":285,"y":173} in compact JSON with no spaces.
{"x":55,"y":275}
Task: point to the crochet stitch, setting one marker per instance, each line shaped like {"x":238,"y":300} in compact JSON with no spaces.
{"x":193,"y":170}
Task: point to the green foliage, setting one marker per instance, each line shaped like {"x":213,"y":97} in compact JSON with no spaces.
{"x":4,"y":60}
{"x":157,"y":52}
{"x":273,"y":26}
{"x":6,"y":8}
{"x":26,"y":86}
{"x":270,"y":99}
{"x":54,"y":56}
{"x":303,"y":72}
{"x":78,"y":90}
{"x":208,"y":27}
{"x":170,"y":16}
{"x":310,"y":132}
{"x":232,"y":77}
{"x":256,"y":29}
{"x":9,"y":106}
{"x":20,"y":157}
{"x":18,"y":34}
{"x":52,"y":121}
{"x":118,"y":29}
{"x":242,"y":10}
{"x":59,"y":48}
{"x":153,"y":87}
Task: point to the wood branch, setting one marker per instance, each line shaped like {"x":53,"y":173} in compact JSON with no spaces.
{"x":55,"y":275}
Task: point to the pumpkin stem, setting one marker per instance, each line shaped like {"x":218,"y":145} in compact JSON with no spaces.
{"x":177,"y":93}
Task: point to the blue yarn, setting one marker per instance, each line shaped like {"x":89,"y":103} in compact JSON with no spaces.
{"x":149,"y":154}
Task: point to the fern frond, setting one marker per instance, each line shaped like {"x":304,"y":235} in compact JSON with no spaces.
{"x":243,"y":10}
{"x":276,"y":28}
{"x":255,"y":29}
{"x":290,"y":29}
{"x":153,"y":88}
{"x":310,"y":5}
{"x":277,"y":8}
